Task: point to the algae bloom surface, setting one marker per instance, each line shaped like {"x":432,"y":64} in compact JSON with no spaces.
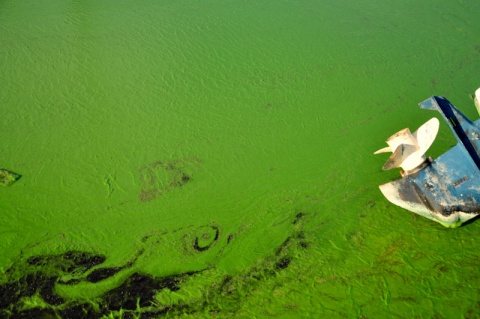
{"x":214,"y":159}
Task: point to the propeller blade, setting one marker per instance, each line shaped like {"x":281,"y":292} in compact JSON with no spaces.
{"x":398,"y":157}
{"x":383,"y":150}
{"x":410,"y":148}
{"x":426,"y":134}
{"x":477,"y":99}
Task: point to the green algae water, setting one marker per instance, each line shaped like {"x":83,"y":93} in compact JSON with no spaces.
{"x":214,"y":159}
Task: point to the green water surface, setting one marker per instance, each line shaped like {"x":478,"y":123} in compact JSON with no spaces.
{"x":144,"y":130}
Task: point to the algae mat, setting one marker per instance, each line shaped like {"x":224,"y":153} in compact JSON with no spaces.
{"x":213,"y":159}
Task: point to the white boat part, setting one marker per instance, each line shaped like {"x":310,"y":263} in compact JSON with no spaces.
{"x":477,"y":99}
{"x":408,"y":149}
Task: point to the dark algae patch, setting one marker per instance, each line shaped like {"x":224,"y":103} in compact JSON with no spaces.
{"x":102,"y":273}
{"x":139,"y":290}
{"x":33,"y":288}
{"x":44,"y":274}
{"x":160,"y":177}
{"x":298,"y":217}
{"x":283,"y":263}
{"x":207,"y":238}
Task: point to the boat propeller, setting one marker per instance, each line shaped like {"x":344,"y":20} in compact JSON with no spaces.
{"x":408,"y":149}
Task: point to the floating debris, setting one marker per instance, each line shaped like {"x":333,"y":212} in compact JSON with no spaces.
{"x":7,"y":178}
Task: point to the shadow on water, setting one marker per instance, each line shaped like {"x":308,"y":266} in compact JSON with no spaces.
{"x":470,"y":221}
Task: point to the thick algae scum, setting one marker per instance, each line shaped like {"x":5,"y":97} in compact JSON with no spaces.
{"x":214,"y":159}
